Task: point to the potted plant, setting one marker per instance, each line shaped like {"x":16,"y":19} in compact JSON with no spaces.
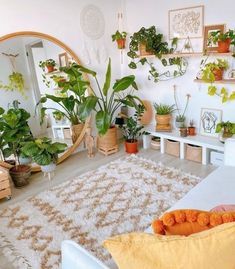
{"x":120,"y":38}
{"x":163,"y":116}
{"x":191,"y":128}
{"x":59,"y":117}
{"x":224,"y":40}
{"x":49,"y":64}
{"x":74,"y":90}
{"x":14,"y":131}
{"x":226,"y":128}
{"x":180,"y":118}
{"x":44,"y":152}
{"x":183,"y":130}
{"x":132,"y":130}
{"x":214,"y":71}
{"x":105,"y":102}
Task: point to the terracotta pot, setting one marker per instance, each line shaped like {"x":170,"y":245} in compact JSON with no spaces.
{"x":223,"y":46}
{"x":163,"y":119}
{"x":143,"y":51}
{"x":76,"y":131}
{"x":20,"y":175}
{"x":148,"y":113}
{"x":183,"y":132}
{"x":121,"y":43}
{"x":108,"y":141}
{"x":50,"y":68}
{"x":218,"y":73}
{"x":226,"y":133}
{"x":131,"y":147}
{"x":191,"y":131}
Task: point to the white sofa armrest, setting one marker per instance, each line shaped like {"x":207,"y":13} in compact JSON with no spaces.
{"x":76,"y":257}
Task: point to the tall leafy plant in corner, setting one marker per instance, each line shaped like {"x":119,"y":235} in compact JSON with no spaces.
{"x":105,"y":101}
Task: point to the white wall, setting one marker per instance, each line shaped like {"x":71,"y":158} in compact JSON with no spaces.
{"x":152,"y":12}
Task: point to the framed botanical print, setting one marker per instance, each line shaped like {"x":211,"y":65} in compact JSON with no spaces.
{"x":209,"y":119}
{"x":207,"y":30}
{"x":63,"y":59}
{"x":186,"y":22}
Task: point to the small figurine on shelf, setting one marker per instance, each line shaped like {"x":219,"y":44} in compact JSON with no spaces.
{"x":89,"y":143}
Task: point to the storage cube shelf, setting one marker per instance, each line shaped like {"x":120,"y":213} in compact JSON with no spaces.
{"x":206,"y":143}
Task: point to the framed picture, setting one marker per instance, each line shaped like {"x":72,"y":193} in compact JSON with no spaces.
{"x":63,"y":59}
{"x":209,"y":119}
{"x":186,"y":22}
{"x":207,"y":30}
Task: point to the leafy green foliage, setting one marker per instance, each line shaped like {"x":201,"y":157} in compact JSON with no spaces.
{"x":48,"y":62}
{"x":16,"y":83}
{"x":14,"y":130}
{"x":162,"y":109}
{"x":228,"y":127}
{"x":215,"y":36}
{"x":208,"y":70}
{"x":132,"y":130}
{"x":119,"y":35}
{"x":43,"y":151}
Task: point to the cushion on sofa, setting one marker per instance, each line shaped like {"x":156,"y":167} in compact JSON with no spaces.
{"x":211,"y":249}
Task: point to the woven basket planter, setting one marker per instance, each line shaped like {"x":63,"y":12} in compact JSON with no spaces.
{"x":173,"y":147}
{"x":107,"y":143}
{"x":76,"y":131}
{"x":194,"y":153}
{"x":163,"y":122}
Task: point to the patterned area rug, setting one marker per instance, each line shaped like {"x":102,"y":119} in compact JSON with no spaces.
{"x":122,"y":196}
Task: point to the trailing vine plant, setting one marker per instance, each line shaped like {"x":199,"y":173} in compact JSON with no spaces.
{"x":157,"y":46}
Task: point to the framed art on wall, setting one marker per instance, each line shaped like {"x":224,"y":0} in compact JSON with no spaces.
{"x":63,"y":59}
{"x":186,"y":22}
{"x":207,"y":30}
{"x":209,"y":119}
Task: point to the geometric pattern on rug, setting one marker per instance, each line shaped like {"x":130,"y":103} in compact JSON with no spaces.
{"x":120,"y":197}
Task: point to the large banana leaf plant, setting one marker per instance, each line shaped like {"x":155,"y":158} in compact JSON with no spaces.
{"x":74,"y":90}
{"x":106,"y":100}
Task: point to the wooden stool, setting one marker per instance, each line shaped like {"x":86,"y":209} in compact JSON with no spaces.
{"x":5,"y":189}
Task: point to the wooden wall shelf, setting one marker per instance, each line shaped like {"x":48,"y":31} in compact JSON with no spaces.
{"x":223,"y":81}
{"x":193,"y":54}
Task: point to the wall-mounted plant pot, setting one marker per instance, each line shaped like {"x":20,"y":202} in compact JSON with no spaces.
{"x":143,"y":51}
{"x":50,"y":68}
{"x":131,"y":147}
{"x":183,"y":132}
{"x":76,"y":131}
{"x":191,"y":131}
{"x":223,"y":46}
{"x":218,"y":73}
{"x":107,"y":143}
{"x":121,"y":43}
{"x":20,"y":175}
{"x":48,"y":168}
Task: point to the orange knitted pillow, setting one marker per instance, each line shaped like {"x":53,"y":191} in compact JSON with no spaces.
{"x":189,"y":221}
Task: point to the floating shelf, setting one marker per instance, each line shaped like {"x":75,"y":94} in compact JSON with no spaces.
{"x":54,"y":73}
{"x":193,"y":54}
{"x":223,"y":81}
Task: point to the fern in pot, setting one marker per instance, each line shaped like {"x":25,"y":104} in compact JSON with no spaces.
{"x":44,"y":152}
{"x":132,"y":130}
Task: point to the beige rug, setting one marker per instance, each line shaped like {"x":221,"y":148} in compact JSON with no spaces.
{"x":122,"y":196}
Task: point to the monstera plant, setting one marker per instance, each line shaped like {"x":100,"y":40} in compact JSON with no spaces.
{"x":106,"y":101}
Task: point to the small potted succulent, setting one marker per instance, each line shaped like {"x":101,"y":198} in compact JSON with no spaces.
{"x":120,"y":38}
{"x":227,"y":129}
{"x":191,"y":128}
{"x":183,"y":130}
{"x":224,"y":40}
{"x":44,"y":152}
{"x":132,"y":130}
{"x":49,"y":64}
{"x":214,"y":71}
{"x":164,"y":116}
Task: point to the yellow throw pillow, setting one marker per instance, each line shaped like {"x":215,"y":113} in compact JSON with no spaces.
{"x":211,"y":249}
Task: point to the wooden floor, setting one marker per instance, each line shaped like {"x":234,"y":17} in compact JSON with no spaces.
{"x":79,"y":164}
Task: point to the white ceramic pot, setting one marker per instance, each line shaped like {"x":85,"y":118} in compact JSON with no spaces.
{"x":48,"y":168}
{"x":25,"y":160}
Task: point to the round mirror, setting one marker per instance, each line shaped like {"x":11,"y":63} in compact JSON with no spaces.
{"x":35,"y":75}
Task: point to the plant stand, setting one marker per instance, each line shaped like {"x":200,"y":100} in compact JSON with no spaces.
{"x":5,"y":189}
{"x":107,"y":144}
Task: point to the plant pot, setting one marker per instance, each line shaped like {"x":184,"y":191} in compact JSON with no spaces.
{"x":191,"y":131}
{"x":223,"y":46}
{"x":178,"y":124}
{"x":183,"y":132}
{"x":163,"y":122}
{"x":218,"y":73}
{"x":25,"y":160}
{"x":121,"y":43}
{"x":20,"y":175}
{"x":226,"y":134}
{"x":50,"y":68}
{"x":143,"y":51}
{"x":131,"y":147}
{"x":76,"y":131}
{"x":107,"y":143}
{"x":48,"y":168}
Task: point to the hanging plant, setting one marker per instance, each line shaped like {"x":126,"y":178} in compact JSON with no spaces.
{"x":16,"y":83}
{"x":154,"y":45}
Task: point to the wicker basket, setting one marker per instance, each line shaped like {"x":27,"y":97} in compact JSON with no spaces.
{"x":107,"y":144}
{"x":76,"y":131}
{"x":173,"y":147}
{"x":142,"y":49}
{"x":194,"y":153}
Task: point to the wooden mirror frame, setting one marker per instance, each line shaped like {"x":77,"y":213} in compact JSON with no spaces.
{"x":54,"y":40}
